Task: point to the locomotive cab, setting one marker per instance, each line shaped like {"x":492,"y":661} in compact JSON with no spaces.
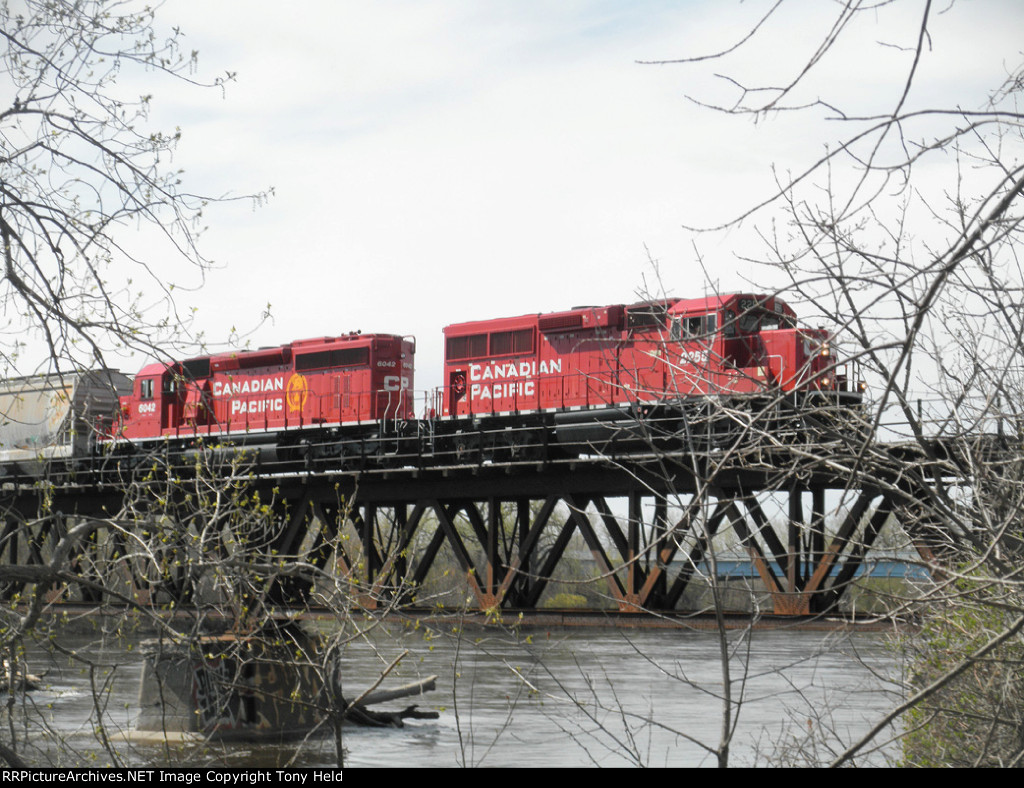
{"x":761,"y":338}
{"x":750,"y":341}
{"x":151,"y":405}
{"x":166,"y":397}
{"x":745,"y":344}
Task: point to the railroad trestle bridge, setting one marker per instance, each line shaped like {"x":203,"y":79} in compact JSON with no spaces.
{"x":652,"y":526}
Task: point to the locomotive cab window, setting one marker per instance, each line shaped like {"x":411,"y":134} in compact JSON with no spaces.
{"x":750,"y":322}
{"x":756,"y":320}
{"x":693,"y":327}
{"x":146,"y":388}
{"x":755,"y":316}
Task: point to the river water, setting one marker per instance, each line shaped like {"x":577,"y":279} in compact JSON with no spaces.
{"x":533,"y":697}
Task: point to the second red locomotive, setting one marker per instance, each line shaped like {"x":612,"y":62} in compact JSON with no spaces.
{"x":274,"y":394}
{"x":620,"y":377}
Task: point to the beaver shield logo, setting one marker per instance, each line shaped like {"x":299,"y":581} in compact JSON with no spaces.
{"x":296,"y":393}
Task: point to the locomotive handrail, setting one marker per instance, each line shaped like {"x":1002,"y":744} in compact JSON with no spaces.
{"x":387,"y":407}
{"x":399,"y":404}
{"x":432,"y":410}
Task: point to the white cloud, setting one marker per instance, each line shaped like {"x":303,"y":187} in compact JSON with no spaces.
{"x":445,"y":161}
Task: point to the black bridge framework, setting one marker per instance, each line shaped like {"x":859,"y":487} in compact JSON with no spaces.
{"x":646,"y":522}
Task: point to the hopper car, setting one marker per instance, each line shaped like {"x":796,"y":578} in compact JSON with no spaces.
{"x":53,"y":420}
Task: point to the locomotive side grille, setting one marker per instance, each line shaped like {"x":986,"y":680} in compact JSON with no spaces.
{"x":345,"y":357}
{"x":647,"y":315}
{"x":196,"y":368}
{"x":560,"y":322}
{"x":471,"y":346}
{"x":504,"y":342}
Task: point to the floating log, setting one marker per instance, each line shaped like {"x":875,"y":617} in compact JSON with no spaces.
{"x":18,"y":680}
{"x":359,"y":714}
{"x":387,"y":719}
{"x":415,"y":688}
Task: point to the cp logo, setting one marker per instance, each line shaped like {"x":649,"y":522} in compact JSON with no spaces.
{"x":296,"y":393}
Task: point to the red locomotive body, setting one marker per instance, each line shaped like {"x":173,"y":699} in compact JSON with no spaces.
{"x":357,"y":379}
{"x":600,"y":357}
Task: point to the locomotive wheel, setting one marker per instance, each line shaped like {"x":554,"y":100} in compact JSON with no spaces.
{"x":475,"y":447}
{"x":465,"y":446}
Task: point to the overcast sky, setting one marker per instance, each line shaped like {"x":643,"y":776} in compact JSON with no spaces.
{"x":449,"y":160}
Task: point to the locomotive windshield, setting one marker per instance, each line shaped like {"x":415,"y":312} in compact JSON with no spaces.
{"x":754,"y":320}
{"x":773,"y":320}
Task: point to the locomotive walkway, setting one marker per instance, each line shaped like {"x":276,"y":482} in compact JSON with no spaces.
{"x":807,"y":516}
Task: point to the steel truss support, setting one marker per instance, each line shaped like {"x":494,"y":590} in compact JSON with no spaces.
{"x":645,"y":552}
{"x":628,"y":538}
{"x":81,"y":559}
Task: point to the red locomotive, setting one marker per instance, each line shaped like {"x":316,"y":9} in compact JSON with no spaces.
{"x":589,"y":371}
{"x":274,"y":393}
{"x":592,"y":357}
{"x":512,"y":386}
